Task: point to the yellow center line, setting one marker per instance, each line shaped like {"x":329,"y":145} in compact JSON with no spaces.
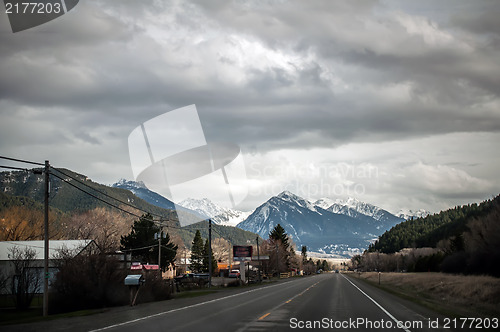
{"x":290,"y":300}
{"x":264,"y":316}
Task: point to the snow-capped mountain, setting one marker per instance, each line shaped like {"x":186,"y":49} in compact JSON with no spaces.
{"x":140,"y":190}
{"x":353,"y":207}
{"x":408,"y":214}
{"x":319,"y":229}
{"x":218,"y":214}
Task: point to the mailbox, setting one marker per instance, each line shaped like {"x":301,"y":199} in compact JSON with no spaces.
{"x":134,"y":280}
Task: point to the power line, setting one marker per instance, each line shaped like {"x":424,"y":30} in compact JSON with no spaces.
{"x":94,"y":196}
{"x":162,"y":219}
{"x":142,"y":248}
{"x":108,"y":203}
{"x":22,"y":161}
{"x":106,"y":195}
{"x":16,"y":168}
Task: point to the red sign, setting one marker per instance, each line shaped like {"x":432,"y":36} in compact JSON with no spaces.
{"x":242,"y":251}
{"x":139,"y":266}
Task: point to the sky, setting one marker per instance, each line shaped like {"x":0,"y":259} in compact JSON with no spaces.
{"x":395,"y":103}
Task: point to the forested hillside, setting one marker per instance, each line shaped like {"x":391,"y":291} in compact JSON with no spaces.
{"x":430,"y":230}
{"x":460,"y":240}
{"x":65,"y":197}
{"x":234,"y":235}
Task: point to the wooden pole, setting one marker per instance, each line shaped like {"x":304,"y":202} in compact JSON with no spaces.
{"x":46,"y":244}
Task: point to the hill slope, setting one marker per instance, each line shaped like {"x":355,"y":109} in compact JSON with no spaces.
{"x":428,"y":231}
{"x":68,"y":199}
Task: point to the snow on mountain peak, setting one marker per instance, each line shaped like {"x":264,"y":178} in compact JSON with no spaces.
{"x":292,"y":198}
{"x":124,"y":182}
{"x":325,"y":202}
{"x":351,"y":206}
{"x":218,"y":214}
{"x":408,"y":214}
{"x":287,"y":196}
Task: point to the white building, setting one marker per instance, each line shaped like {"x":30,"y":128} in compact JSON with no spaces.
{"x":72,"y":247}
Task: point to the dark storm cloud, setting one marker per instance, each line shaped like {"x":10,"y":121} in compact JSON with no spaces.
{"x":482,"y":23}
{"x":449,"y":78}
{"x":266,"y":75}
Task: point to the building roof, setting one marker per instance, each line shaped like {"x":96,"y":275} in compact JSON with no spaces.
{"x":55,"y":246}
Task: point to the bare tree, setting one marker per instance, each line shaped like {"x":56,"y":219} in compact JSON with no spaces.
{"x":279,"y":256}
{"x":103,"y":226}
{"x":221,"y":249}
{"x":3,"y":282}
{"x":26,"y":281}
{"x":482,"y":241}
{"x":20,"y":223}
{"x":86,"y":280}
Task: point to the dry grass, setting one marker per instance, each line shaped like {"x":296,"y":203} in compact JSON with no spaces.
{"x":463,"y":295}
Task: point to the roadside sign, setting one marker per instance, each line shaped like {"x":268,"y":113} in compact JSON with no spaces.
{"x":242,"y":253}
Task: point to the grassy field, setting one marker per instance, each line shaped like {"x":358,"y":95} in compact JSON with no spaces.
{"x":458,"y":295}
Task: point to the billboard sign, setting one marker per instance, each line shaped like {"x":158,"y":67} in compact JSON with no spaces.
{"x":242,"y":253}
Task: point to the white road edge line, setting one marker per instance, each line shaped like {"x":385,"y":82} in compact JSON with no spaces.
{"x":398,"y":325}
{"x":179,"y":309}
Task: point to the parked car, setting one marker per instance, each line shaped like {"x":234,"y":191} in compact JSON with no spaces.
{"x":234,"y":274}
{"x":197,"y":278}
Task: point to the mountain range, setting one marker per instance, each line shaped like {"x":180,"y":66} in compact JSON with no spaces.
{"x":19,"y":188}
{"x":333,"y":227}
{"x":339,"y":228}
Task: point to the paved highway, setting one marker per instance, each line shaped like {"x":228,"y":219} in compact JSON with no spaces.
{"x":323,"y":302}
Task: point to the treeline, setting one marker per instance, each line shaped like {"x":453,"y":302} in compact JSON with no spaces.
{"x":430,"y":230}
{"x":236,"y":236}
{"x":460,"y":240}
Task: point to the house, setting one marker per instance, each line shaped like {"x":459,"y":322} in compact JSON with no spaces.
{"x":56,"y":247}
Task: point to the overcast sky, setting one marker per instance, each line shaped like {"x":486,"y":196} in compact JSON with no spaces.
{"x":396,"y":103}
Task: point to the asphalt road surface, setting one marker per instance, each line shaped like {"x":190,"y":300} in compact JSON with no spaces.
{"x":330,"y":302}
{"x":322,"y":302}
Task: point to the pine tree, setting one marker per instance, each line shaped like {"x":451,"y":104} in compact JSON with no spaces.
{"x":282,"y":253}
{"x":142,"y":239}
{"x":278,"y":234}
{"x":197,"y":249}
{"x":141,"y":236}
{"x":206,"y":260}
{"x":168,"y":251}
{"x":304,"y":254}
{"x":325,"y":266}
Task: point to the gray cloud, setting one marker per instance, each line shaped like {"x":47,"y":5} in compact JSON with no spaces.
{"x":268,"y":75}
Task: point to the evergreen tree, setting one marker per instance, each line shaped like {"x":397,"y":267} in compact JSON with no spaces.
{"x":168,"y":251}
{"x":197,"y":249}
{"x":278,"y":234}
{"x":283,"y":252}
{"x":206,"y":260}
{"x":325,"y":266}
{"x":142,"y":239}
{"x":304,"y":254}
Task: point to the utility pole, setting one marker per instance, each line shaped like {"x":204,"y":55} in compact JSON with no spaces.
{"x":277,"y":261}
{"x":185,"y":260}
{"x":209,"y":253}
{"x":159,"y":249}
{"x":258,"y":258}
{"x":46,"y":243}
